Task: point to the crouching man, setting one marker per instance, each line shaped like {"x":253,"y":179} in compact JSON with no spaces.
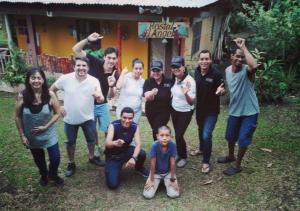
{"x":120,"y":150}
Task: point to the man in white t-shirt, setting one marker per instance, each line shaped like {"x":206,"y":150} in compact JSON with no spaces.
{"x":80,"y":91}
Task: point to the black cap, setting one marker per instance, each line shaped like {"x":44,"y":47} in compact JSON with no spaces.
{"x":177,"y":61}
{"x":156,"y":65}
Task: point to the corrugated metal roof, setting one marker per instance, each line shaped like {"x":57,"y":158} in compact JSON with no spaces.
{"x":161,"y":3}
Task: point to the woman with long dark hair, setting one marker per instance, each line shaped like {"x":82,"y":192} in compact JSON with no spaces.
{"x":183,"y":97}
{"x":37,"y":110}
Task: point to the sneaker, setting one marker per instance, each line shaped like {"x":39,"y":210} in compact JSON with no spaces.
{"x":143,"y":172}
{"x":196,"y":152}
{"x":44,"y":181}
{"x":70,"y":169}
{"x":97,"y":161}
{"x":181,"y":163}
{"x":58,"y":181}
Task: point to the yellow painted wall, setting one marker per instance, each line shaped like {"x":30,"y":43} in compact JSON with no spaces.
{"x":133,"y":47}
{"x":205,"y":42}
{"x":55,"y":37}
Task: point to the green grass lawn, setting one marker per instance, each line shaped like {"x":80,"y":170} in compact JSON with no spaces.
{"x":269,"y":181}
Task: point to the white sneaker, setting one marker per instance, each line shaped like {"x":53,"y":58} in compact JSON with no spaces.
{"x":181,"y":163}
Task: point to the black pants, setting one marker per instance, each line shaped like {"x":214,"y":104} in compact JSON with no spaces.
{"x":157,"y":119}
{"x":40,"y":161}
{"x":181,"y":121}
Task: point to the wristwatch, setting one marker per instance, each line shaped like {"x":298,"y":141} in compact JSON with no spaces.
{"x":135,"y":158}
{"x":172,"y":179}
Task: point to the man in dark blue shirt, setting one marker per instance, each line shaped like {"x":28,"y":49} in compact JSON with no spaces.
{"x":120,"y":150}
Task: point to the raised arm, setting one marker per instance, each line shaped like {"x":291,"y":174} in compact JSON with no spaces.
{"x":120,"y":81}
{"x":250,"y":60}
{"x":78,"y":47}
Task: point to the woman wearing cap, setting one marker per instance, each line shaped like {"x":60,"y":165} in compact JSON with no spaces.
{"x":183,"y":96}
{"x":157,"y":92}
{"x":130,"y":86}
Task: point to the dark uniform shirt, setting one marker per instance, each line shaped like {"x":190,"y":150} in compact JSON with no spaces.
{"x":97,"y":70}
{"x":126,"y":134}
{"x":162,"y":101}
{"x":208,"y":103}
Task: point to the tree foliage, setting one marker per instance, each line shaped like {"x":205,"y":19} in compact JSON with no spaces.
{"x":273,"y":29}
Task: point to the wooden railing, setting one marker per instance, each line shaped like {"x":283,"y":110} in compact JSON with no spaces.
{"x":49,"y":63}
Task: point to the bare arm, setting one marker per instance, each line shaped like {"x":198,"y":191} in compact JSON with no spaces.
{"x":121,"y":78}
{"x":172,"y":167}
{"x":152,"y":168}
{"x":78,"y":47}
{"x":56,"y":109}
{"x":250,"y":60}
{"x":54,"y":89}
{"x":137,"y":139}
{"x":109,"y":138}
{"x":18,"y":119}
{"x":131,"y":162}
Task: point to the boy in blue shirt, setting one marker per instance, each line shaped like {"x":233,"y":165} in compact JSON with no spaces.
{"x":162,"y":165}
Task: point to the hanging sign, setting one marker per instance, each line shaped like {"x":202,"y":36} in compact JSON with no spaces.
{"x":162,"y":30}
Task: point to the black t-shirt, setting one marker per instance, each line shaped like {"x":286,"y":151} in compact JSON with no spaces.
{"x":162,"y":101}
{"x":97,"y":70}
{"x":208,"y":103}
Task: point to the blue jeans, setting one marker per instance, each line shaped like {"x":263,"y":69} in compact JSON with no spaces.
{"x":40,"y":161}
{"x":241,"y":129}
{"x":206,"y":125}
{"x":113,"y":166}
{"x":88,"y":128}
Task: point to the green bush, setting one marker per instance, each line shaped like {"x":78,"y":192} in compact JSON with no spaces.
{"x":274,"y":79}
{"x":15,"y":68}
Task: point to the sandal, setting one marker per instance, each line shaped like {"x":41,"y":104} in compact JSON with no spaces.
{"x":196,"y":152}
{"x":232,"y":171}
{"x":225,"y":159}
{"x":205,"y":168}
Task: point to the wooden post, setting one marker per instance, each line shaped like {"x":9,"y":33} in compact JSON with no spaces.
{"x":119,"y":45}
{"x":8,"y":32}
{"x":32,"y":43}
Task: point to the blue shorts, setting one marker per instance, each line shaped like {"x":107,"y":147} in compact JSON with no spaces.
{"x":241,"y":129}
{"x":101,"y":113}
{"x":88,"y":128}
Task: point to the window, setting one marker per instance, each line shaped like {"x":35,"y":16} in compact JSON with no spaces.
{"x":196,"y":37}
{"x":212,"y":29}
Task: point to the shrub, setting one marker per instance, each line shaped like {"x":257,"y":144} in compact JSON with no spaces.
{"x":15,"y":68}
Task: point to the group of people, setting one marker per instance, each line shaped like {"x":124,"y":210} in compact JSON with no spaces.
{"x":94,"y":80}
